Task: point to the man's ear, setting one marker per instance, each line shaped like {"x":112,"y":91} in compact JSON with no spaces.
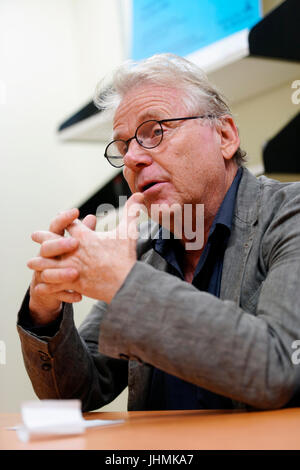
{"x":230,"y":140}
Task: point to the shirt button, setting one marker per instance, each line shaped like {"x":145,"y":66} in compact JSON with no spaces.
{"x":123,"y":356}
{"x":46,"y":366}
{"x":139,"y":360}
{"x":44,"y":356}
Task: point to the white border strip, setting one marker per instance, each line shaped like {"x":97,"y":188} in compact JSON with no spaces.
{"x":223,"y":52}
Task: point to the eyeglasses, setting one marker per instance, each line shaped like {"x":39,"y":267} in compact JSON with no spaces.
{"x":149,"y":135}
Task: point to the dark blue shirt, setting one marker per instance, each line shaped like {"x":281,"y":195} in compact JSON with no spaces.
{"x":168,"y":392}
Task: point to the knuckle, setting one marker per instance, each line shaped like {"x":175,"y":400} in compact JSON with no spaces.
{"x":44,"y":277}
{"x":52,"y":227}
{"x":73,"y":274}
{"x":65,"y":243}
{"x":39,"y":289}
{"x":61,"y":275}
{"x":44,"y":249}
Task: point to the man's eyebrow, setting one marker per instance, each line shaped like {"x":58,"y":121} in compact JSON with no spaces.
{"x":116,"y":136}
{"x":149,"y":114}
{"x":145,"y":116}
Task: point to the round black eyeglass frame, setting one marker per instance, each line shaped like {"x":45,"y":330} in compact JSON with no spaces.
{"x":127,"y":142}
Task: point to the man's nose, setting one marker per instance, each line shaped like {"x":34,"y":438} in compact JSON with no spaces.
{"x":137,"y":156}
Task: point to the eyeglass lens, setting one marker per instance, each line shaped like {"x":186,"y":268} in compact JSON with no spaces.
{"x":115,"y":152}
{"x":149,"y":135}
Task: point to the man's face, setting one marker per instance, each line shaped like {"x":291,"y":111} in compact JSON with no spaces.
{"x":187,"y":166}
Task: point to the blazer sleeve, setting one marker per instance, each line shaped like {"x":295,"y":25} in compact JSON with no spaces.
{"x":214,"y":343}
{"x":69,"y":364}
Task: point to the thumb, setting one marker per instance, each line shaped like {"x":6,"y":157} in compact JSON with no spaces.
{"x":127,"y":227}
{"x":90,"y":221}
{"x":76,"y":228}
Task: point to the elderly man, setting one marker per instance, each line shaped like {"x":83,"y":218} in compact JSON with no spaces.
{"x":185,"y":325}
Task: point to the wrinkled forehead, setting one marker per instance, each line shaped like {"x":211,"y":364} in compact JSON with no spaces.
{"x":149,"y":102}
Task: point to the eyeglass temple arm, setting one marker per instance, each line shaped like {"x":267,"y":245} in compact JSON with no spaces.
{"x":186,"y":118}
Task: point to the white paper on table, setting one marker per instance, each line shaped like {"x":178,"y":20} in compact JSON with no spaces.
{"x":54,"y":417}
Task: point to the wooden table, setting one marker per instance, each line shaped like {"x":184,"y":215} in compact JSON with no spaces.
{"x":185,"y":430}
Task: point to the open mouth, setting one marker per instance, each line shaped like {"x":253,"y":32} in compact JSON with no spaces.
{"x":149,"y":185}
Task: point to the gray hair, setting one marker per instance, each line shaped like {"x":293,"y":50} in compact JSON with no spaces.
{"x":168,"y":70}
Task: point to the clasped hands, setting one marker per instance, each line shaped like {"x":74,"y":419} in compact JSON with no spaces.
{"x":88,"y":263}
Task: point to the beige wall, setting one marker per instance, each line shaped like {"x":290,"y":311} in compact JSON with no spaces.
{"x":42,"y":83}
{"x":51,"y":57}
{"x":268,"y":5}
{"x":261,"y":117}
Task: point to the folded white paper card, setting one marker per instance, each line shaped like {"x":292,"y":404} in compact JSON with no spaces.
{"x":54,"y":417}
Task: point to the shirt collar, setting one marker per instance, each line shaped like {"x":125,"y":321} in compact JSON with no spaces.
{"x":225,"y":213}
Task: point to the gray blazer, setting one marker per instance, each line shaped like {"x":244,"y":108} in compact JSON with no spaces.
{"x":238,"y":345}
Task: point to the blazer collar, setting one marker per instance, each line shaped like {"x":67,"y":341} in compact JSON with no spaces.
{"x":248,"y":198}
{"x":240,"y":241}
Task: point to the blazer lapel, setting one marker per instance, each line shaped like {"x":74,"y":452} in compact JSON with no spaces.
{"x":241,"y":238}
